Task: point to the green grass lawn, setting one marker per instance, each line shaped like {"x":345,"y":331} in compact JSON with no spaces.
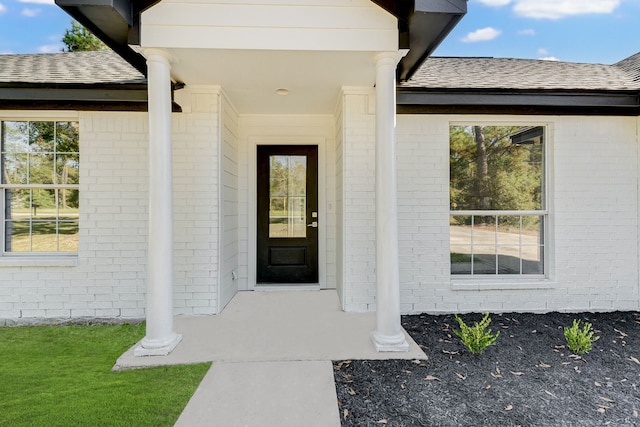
{"x":61,"y":376}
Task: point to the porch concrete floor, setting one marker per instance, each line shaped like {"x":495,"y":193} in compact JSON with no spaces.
{"x":274,"y":326}
{"x":271,"y":354}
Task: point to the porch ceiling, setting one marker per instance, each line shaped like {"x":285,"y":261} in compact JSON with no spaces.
{"x":250,"y":78}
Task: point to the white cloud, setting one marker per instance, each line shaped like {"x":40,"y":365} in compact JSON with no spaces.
{"x":543,"y":51}
{"x":527,"y":32}
{"x":494,"y":3}
{"x":549,"y":9}
{"x":50,"y":48}
{"x":30,"y":13}
{"x":557,"y":9}
{"x":481,"y":35}
{"x":3,"y":8}
{"x":549,"y":58}
{"x":48,"y":2}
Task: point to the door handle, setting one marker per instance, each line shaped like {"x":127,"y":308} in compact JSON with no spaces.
{"x":314,"y":224}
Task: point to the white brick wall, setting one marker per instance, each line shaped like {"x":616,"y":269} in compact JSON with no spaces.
{"x":196,"y":202}
{"x":109,"y":279}
{"x":358,"y":199}
{"x":594,"y":215}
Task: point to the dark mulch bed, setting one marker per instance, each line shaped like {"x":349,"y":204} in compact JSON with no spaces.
{"x":529,"y":378}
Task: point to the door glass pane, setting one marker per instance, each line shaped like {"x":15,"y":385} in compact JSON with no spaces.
{"x":287,"y":196}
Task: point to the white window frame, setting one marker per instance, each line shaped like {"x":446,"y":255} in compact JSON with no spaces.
{"x":511,"y":281}
{"x":35,"y":258}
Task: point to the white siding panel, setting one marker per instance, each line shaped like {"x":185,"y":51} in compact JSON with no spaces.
{"x":339,"y":200}
{"x":229,"y":247}
{"x":357,"y":26}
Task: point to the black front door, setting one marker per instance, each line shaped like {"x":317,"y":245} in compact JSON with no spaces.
{"x":287,"y":214}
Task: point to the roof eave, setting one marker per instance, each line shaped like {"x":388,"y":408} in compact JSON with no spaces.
{"x":422,"y":26}
{"x":115,"y":22}
{"x":80,"y":97}
{"x":501,"y":101}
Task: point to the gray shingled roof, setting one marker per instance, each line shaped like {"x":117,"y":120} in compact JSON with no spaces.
{"x":632,"y":66}
{"x":524,"y":74}
{"x":106,"y":67}
{"x":102,"y":67}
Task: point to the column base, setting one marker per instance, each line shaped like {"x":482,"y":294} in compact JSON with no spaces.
{"x":161,"y":347}
{"x":386,"y":343}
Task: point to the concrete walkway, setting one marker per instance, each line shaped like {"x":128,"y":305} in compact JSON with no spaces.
{"x":271,"y":354}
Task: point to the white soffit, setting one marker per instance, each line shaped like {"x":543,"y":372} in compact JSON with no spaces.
{"x":251,"y":77}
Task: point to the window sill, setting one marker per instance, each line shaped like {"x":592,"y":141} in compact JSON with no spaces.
{"x":39,"y":261}
{"x":507,"y":283}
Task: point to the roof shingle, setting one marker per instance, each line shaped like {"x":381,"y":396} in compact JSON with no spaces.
{"x":524,"y":74}
{"x":632,"y":66}
{"x":101,"y":67}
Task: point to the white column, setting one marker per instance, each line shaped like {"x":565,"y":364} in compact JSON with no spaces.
{"x":388,"y":335}
{"x":160,"y":339}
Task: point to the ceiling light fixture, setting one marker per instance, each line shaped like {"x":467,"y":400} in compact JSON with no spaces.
{"x":282,"y":91}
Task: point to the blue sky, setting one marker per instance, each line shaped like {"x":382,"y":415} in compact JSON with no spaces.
{"x":598,"y":31}
{"x":594,"y":31}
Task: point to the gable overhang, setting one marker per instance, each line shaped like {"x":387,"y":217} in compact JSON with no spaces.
{"x":422,"y":26}
{"x":115,"y":22}
{"x":530,"y":102}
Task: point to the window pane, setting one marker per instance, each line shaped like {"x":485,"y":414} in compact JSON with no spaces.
{"x":533,"y":261}
{"x":44,"y":236}
{"x":67,"y":137}
{"x":41,"y":137}
{"x":460,"y":244}
{"x":509,"y":240}
{"x":67,"y":204}
{"x":287,"y":196}
{"x":19,"y":206}
{"x":15,"y":169}
{"x":68,"y":236}
{"x":496,"y":167}
{"x":533,"y":245}
{"x":17,"y":236}
{"x":40,"y":169}
{"x":484,"y":259}
{"x":509,"y":260}
{"x":67,"y":168}
{"x":15,"y":137}
{"x":43,"y":202}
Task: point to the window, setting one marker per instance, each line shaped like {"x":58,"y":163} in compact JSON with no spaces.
{"x":497,"y":190}
{"x":40,"y":164}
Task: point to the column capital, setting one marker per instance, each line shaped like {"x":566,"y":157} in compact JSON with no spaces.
{"x":159,"y":55}
{"x":389,"y":58}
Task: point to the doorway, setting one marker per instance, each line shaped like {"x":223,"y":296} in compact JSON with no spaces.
{"x":287,"y":214}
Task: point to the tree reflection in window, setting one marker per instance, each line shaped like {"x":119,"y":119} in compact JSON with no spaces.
{"x":287,"y":196}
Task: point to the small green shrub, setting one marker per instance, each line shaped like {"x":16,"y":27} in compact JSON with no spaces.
{"x":580,"y":340}
{"x":476,"y":338}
